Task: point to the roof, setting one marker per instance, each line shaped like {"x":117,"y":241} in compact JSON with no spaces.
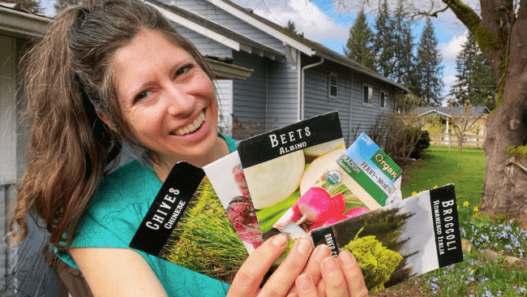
{"x":317,"y":49}
{"x":445,"y":110}
{"x":18,"y":22}
{"x":192,"y":20}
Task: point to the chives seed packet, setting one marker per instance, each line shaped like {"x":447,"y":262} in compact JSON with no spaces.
{"x":283,"y":165}
{"x":187,"y":225}
{"x":399,"y":241}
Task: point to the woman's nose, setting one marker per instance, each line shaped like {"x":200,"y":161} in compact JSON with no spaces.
{"x":179,"y":102}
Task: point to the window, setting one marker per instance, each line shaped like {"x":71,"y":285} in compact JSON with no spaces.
{"x":384,"y":99}
{"x":333,"y":85}
{"x":367,"y":94}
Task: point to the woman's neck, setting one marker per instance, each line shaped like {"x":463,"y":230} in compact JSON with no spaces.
{"x":162,"y":166}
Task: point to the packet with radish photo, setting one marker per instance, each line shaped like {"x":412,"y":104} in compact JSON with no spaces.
{"x":228,"y":181}
{"x":284,"y":169}
{"x":362,"y":178}
{"x":401,"y":240}
{"x":188,"y":226}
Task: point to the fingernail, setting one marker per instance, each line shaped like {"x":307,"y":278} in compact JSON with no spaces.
{"x":302,"y":282}
{"x":330,"y":265}
{"x":322,"y":252}
{"x":304,"y":246}
{"x":279,"y":240}
{"x":346,"y":259}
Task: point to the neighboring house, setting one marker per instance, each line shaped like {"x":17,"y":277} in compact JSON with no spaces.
{"x":293,"y":78}
{"x":444,"y":113}
{"x":22,"y":269}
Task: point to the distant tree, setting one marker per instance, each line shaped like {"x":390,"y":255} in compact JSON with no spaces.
{"x":32,"y":6}
{"x":465,"y":121}
{"x":359,"y":45}
{"x":291,"y":26}
{"x":383,"y":42}
{"x":429,"y":70}
{"x":475,"y":79}
{"x":403,"y":48}
{"x":60,"y":5}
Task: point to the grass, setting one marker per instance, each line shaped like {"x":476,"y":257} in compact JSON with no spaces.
{"x":465,"y":169}
{"x":477,"y":275}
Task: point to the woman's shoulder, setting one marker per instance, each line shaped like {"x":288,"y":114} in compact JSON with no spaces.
{"x":128,"y":186}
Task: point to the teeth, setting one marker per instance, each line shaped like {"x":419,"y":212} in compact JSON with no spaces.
{"x":193,"y":126}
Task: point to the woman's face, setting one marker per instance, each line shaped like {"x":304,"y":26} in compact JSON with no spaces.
{"x":166,"y":98}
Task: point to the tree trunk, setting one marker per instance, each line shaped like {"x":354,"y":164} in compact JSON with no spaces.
{"x":460,"y":142}
{"x":505,"y":188}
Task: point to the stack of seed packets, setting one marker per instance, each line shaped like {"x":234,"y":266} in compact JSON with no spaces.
{"x":300,"y":180}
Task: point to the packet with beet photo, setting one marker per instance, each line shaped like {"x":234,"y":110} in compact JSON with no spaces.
{"x":284,"y":173}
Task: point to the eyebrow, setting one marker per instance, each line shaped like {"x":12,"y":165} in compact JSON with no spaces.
{"x":134,"y":91}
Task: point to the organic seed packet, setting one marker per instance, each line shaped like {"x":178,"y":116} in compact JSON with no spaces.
{"x":370,"y":173}
{"x":401,"y":240}
{"x":187,"y":225}
{"x":286,"y":166}
{"x":228,"y":181}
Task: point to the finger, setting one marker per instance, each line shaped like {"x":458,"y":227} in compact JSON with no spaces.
{"x":305,"y":287}
{"x":247,"y":280}
{"x":352,"y":275}
{"x":312,"y":269}
{"x":333,"y":278}
{"x":321,"y":288}
{"x":284,"y":276}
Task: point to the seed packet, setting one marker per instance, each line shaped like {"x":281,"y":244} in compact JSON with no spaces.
{"x":187,"y":225}
{"x":282,"y":165}
{"x":401,"y":240}
{"x":370,"y":173}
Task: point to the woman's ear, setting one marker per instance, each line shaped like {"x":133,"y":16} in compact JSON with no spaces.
{"x":104,"y":118}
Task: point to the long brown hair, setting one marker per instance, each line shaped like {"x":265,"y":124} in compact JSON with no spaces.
{"x":69,"y":81}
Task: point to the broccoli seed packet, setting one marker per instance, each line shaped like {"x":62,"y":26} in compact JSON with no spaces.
{"x":401,"y":240}
{"x":188,"y":226}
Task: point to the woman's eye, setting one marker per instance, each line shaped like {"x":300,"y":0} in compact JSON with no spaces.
{"x":183,"y":70}
{"x":141,"y":95}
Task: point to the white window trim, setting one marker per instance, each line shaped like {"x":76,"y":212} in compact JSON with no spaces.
{"x":362,"y":95}
{"x":329,"y":84}
{"x":385,"y":101}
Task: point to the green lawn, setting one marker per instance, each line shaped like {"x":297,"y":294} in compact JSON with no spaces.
{"x":477,"y":275}
{"x":465,"y":169}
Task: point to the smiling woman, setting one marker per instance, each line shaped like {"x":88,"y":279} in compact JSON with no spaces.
{"x":110,"y":71}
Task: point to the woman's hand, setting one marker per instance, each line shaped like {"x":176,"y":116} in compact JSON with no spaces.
{"x":322,"y":276}
{"x":249,"y":277}
{"x":326,"y":276}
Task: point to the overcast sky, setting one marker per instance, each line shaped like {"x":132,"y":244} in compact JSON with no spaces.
{"x":322,"y":21}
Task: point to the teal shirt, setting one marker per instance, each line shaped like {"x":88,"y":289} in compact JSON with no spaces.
{"x":114,"y":216}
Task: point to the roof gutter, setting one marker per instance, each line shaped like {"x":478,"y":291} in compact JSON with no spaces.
{"x":302,"y":91}
{"x":396,"y":86}
{"x":19,"y":24}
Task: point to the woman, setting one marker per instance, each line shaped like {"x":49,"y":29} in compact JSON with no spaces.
{"x":116,"y":70}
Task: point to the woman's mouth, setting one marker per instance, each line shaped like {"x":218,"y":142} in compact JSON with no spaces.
{"x":192,"y":127}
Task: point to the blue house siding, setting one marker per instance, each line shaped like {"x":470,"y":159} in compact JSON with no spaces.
{"x":206,"y":46}
{"x":316,"y":99}
{"x":364,"y":115}
{"x":282,"y":94}
{"x":218,"y":15}
{"x":249,"y":107}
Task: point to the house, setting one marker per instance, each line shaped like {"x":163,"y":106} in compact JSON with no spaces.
{"x":292,"y":78}
{"x":22,"y":268}
{"x":445,"y":115}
